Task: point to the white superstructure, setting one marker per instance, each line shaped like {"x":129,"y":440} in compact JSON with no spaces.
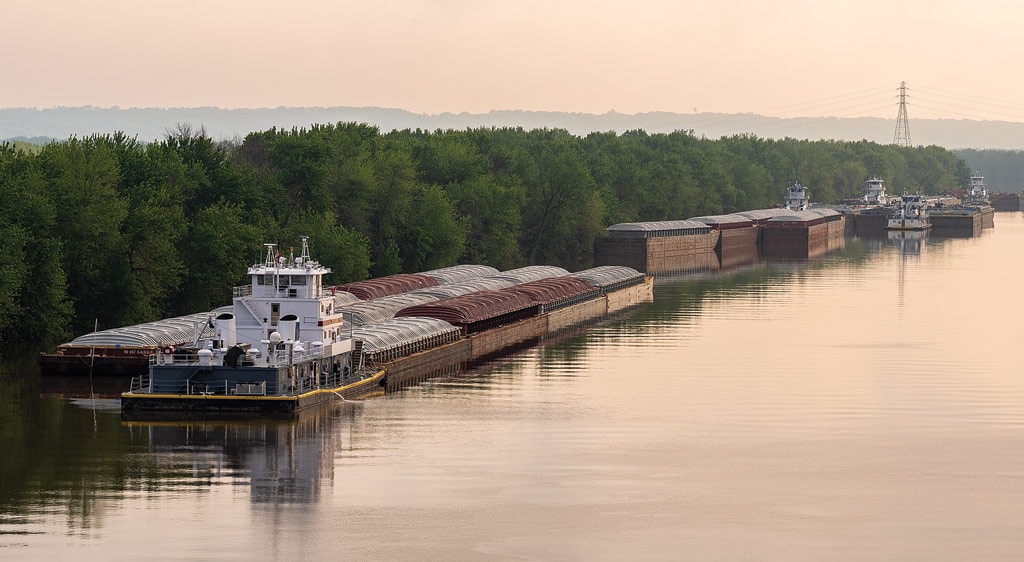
{"x":978,"y":192}
{"x":796,"y":198}
{"x":874,"y":192}
{"x":286,"y":296}
{"x":911,"y":213}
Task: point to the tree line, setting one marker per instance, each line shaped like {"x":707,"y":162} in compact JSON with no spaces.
{"x":110,"y":230}
{"x":1003,"y":169}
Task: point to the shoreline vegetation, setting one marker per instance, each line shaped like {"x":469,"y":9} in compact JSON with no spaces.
{"x":111,"y":230}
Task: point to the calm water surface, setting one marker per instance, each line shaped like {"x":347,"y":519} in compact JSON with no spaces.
{"x":866,"y":406}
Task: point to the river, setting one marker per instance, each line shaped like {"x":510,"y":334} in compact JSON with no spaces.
{"x":868,"y":405}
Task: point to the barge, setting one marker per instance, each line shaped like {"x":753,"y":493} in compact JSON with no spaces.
{"x":803,"y":235}
{"x":660,"y":247}
{"x":124,"y":351}
{"x":289,"y":343}
{"x":720,"y":242}
{"x":482,"y":325}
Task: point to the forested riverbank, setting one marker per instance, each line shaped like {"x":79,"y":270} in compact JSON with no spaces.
{"x":111,"y":230}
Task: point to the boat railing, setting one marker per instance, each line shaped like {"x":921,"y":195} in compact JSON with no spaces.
{"x":284,"y":291}
{"x":281,"y":356}
{"x":143,"y":384}
{"x":139,"y":384}
{"x":276,"y":358}
{"x":190,"y":358}
{"x":230,"y":387}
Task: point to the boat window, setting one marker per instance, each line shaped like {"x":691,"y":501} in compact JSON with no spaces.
{"x":298,"y":279}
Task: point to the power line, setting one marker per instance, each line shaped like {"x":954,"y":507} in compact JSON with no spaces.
{"x":870,"y":103}
{"x":976,"y":116}
{"x":968,"y":96}
{"x":800,"y":105}
{"x":858,"y":110}
{"x":984,"y":112}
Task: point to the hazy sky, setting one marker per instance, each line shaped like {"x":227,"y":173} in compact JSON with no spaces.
{"x":775,"y":57}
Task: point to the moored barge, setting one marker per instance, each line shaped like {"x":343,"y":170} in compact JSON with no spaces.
{"x":124,"y":351}
{"x":402,"y":335}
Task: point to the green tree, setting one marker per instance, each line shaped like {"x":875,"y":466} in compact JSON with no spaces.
{"x":221,"y":245}
{"x":151,"y":182}
{"x":33,"y":300}
{"x":435,"y":235}
{"x":82,"y":178}
{"x":345,"y":251}
{"x":491,"y":207}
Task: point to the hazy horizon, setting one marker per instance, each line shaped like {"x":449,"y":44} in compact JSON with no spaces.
{"x":791,"y":58}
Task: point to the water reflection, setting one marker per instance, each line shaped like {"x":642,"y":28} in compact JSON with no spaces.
{"x":908,"y":242}
{"x":60,"y":462}
{"x":77,"y":386}
{"x":70,"y":465}
{"x":279,"y":461}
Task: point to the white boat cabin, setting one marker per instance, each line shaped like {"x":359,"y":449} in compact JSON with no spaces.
{"x":796,"y":198}
{"x":285,"y":306}
{"x":874,"y":192}
{"x":978,"y":190}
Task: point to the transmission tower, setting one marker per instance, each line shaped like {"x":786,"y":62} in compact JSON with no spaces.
{"x":902,"y":136}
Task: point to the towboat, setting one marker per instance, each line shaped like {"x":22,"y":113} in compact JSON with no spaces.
{"x":910,"y":213}
{"x":283,"y":347}
{"x":978,"y":193}
{"x":796,"y":198}
{"x":874,"y":192}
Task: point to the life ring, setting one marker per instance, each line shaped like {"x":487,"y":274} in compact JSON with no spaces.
{"x":168,"y":350}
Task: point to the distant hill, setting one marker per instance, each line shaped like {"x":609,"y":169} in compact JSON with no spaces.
{"x":148,"y":124}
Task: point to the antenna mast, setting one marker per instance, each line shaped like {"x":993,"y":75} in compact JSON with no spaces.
{"x":902,"y":136}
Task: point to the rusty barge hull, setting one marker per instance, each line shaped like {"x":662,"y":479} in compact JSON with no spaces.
{"x":99,"y":361}
{"x":714,"y":243}
{"x":450,"y":358}
{"x":801,"y":241}
{"x":738,"y":246}
{"x":967,"y":222}
{"x":1006,"y":201}
{"x":871,"y":220}
{"x":660,"y":255}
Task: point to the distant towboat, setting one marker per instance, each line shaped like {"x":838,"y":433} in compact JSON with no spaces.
{"x":910,"y":213}
{"x":978,"y":193}
{"x":874,"y":192}
{"x":796,"y":198}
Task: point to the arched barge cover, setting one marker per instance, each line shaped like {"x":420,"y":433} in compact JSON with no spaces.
{"x":386,"y":286}
{"x":476,"y":312}
{"x":611,"y":277}
{"x":169,"y":331}
{"x":556,"y":292}
{"x":531,"y":273}
{"x":379,"y":310}
{"x":459,"y":273}
{"x":399,"y":337}
{"x":447,"y":291}
{"x":725,"y":222}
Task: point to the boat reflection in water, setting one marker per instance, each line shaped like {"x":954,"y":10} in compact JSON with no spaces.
{"x":282,"y":461}
{"x":908,"y":242}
